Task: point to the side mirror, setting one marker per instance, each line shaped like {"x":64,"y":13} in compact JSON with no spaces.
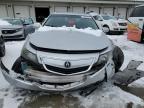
{"x":37,"y":25}
{"x":105,"y":29}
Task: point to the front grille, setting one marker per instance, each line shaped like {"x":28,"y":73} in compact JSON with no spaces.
{"x":123,"y":29}
{"x":123,"y":24}
{"x":67,"y":71}
{"x":14,"y":37}
{"x":8,"y":31}
{"x":39,"y":67}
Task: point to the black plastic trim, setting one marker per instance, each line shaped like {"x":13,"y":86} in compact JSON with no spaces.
{"x":3,"y":67}
{"x":66,"y":51}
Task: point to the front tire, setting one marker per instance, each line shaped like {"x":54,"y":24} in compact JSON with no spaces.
{"x":118,"y":58}
{"x":108,"y":29}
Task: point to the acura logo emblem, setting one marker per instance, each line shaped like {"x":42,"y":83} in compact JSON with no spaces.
{"x":67,"y":64}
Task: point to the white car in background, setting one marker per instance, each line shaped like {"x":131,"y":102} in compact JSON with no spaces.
{"x":110,"y":24}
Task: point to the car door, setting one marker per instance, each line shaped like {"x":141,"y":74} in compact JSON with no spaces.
{"x":29,"y":26}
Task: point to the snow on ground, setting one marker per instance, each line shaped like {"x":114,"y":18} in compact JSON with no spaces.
{"x":106,"y":96}
{"x":132,"y":51}
{"x":138,"y":83}
{"x":110,"y":96}
{"x":13,"y":50}
{"x":8,"y":95}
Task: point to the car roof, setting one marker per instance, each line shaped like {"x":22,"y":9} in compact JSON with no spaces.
{"x":93,"y":13}
{"x":140,"y":5}
{"x":69,"y":13}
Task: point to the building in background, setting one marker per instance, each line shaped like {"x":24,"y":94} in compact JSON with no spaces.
{"x":40,"y":9}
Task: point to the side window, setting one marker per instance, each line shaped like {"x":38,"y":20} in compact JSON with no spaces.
{"x":28,"y":21}
{"x":138,"y":12}
{"x":97,"y":18}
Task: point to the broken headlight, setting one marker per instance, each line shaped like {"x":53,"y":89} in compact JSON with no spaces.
{"x":102,"y":61}
{"x":29,"y":55}
{"x":19,"y":29}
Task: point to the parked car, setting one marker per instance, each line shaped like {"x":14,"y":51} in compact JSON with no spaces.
{"x":2,"y":43}
{"x":68,"y":52}
{"x":17,"y":29}
{"x":109,"y":23}
{"x":31,"y":25}
{"x":136,"y":25}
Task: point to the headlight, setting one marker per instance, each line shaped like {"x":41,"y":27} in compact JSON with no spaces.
{"x":29,"y":55}
{"x":19,"y":29}
{"x":103,"y":59}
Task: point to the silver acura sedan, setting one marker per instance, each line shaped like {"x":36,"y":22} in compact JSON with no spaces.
{"x":68,"y":52}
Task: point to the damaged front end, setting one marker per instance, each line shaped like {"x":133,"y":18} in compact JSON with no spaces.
{"x":33,"y":76}
{"x":45,"y":66}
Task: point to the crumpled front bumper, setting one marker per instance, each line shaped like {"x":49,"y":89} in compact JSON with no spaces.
{"x":105,"y":72}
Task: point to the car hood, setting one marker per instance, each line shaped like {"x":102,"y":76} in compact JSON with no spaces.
{"x":11,"y":27}
{"x":118,"y":21}
{"x":122,"y":21}
{"x":72,"y":40}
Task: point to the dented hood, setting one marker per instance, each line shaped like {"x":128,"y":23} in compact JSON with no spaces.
{"x":69,"y":40}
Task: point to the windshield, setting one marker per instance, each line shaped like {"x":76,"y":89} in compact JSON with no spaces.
{"x":108,"y":17}
{"x":119,"y":17}
{"x":138,"y":12}
{"x":77,"y":21}
{"x":14,"y":21}
{"x":28,"y":21}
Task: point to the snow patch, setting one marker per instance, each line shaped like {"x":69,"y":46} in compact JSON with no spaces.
{"x":13,"y":51}
{"x":91,"y":31}
{"x":110,"y":96}
{"x":132,"y":50}
{"x":138,"y":83}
